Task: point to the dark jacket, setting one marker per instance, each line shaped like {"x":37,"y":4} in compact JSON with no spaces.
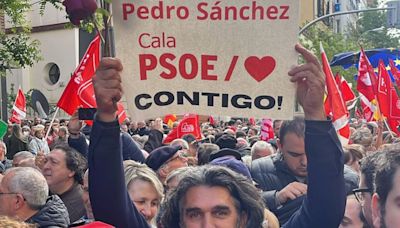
{"x":53,"y":214}
{"x":80,"y":144}
{"x":325,"y":201}
{"x":5,"y":164}
{"x":15,"y":145}
{"x":108,"y":194}
{"x":130,"y":151}
{"x":154,"y":141}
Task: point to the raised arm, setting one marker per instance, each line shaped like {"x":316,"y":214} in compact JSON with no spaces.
{"x":108,"y":195}
{"x":324,"y":204}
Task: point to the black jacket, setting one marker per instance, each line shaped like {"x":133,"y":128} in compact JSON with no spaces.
{"x":324,"y":204}
{"x":53,"y":214}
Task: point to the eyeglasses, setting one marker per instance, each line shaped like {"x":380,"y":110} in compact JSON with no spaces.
{"x":7,"y":193}
{"x":178,"y":155}
{"x":359,"y":194}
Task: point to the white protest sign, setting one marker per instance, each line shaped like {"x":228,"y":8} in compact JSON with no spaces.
{"x":210,"y":57}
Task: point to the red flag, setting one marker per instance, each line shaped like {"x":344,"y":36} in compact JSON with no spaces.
{"x":338,"y":108}
{"x":345,"y":89}
{"x":267,"y":129}
{"x":367,"y":84}
{"x":384,"y":84}
{"x":80,"y":91}
{"x":69,"y":100}
{"x":395,"y":72}
{"x":211,"y":120}
{"x":393,"y":125}
{"x":188,"y":125}
{"x":19,"y":108}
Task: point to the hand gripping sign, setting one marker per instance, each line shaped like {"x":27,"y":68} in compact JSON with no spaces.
{"x":219,"y":57}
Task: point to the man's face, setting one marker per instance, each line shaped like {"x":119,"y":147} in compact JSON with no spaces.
{"x":7,"y":201}
{"x":366,"y":205}
{"x":141,"y":124}
{"x":39,"y":134}
{"x":205,"y":206}
{"x":294,"y":154}
{"x":390,"y":218}
{"x":351,"y":217}
{"x":55,"y":169}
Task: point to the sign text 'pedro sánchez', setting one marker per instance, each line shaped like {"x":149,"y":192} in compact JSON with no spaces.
{"x":211,"y":57}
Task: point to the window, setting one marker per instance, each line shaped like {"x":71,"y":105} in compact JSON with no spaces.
{"x":53,"y":73}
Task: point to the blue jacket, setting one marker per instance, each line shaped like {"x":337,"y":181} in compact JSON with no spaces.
{"x":108,"y":195}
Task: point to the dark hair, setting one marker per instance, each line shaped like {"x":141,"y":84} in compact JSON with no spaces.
{"x":246,"y":197}
{"x":203,"y":152}
{"x":240,"y":134}
{"x":295,"y":126}
{"x":75,"y":162}
{"x":386,"y":169}
{"x":352,"y":152}
{"x":189,"y":138}
{"x":368,"y":167}
{"x":253,"y":129}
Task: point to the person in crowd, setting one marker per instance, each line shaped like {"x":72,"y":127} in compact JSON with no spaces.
{"x":132,"y":128}
{"x":76,"y":139}
{"x":64,"y":169}
{"x":204,"y":151}
{"x":276,"y":125}
{"x":363,"y":193}
{"x":88,"y":217}
{"x":62,"y":137}
{"x":364,"y":137}
{"x":11,"y":223}
{"x":145,"y":190}
{"x":353,"y":216}
{"x":142,"y":128}
{"x":352,"y":155}
{"x":16,"y":142}
{"x":155,"y":136}
{"x":190,"y":203}
{"x":385,"y":200}
{"x":261,"y":149}
{"x":5,"y":163}
{"x":252,"y":132}
{"x":166,"y":159}
{"x":37,"y":142}
{"x":21,"y":157}
{"x":283,"y":176}
{"x":213,"y":196}
{"x":53,"y":133}
{"x":24,"y":195}
{"x":26,"y":133}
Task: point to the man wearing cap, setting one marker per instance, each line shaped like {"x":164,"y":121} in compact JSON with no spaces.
{"x":38,"y":144}
{"x":166,"y":159}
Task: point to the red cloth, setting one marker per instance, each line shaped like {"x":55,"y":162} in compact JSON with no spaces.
{"x":19,"y":108}
{"x":188,"y":125}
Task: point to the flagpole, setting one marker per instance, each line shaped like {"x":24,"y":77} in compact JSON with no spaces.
{"x":51,"y":123}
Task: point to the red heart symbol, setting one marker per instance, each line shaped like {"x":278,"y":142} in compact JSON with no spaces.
{"x":259,"y":69}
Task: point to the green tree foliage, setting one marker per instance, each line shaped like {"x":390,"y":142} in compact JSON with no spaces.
{"x":16,"y":48}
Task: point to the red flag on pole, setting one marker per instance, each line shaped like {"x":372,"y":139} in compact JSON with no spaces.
{"x":338,"y":108}
{"x":395,"y":72}
{"x":188,"y":125}
{"x":82,"y":76}
{"x":79,"y":91}
{"x":383,"y":89}
{"x":19,"y":108}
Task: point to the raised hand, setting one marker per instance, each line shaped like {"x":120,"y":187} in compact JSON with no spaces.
{"x":310,"y":81}
{"x":108,"y":88}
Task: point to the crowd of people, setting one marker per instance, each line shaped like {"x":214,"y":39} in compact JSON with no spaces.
{"x":124,"y":176}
